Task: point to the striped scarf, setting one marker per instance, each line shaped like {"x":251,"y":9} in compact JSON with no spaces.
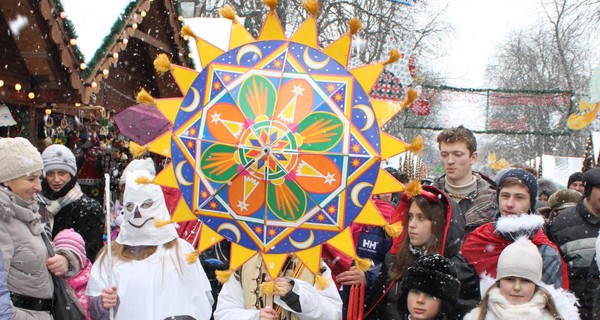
{"x":54,"y":206}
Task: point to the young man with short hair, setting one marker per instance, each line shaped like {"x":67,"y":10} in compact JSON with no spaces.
{"x":517,"y":196}
{"x":474,"y":192}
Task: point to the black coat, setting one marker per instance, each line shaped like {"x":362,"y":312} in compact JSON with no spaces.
{"x":574,"y":232}
{"x":86,"y":217}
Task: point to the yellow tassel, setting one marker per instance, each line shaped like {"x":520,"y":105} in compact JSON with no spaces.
{"x":411,"y":96}
{"x":223,"y":275}
{"x":355,"y":25}
{"x":268,"y":287}
{"x":413,"y":188}
{"x":312,"y":6}
{"x":394,"y":229}
{"x":162,"y":63}
{"x":227,"y":12}
{"x":162,"y":223}
{"x":187,"y":31}
{"x":416,"y":145}
{"x":363,"y":264}
{"x":137,"y":150}
{"x":192,"y":256}
{"x":144,"y":97}
{"x":394,"y":56}
{"x":271,"y":4}
{"x":143,"y":180}
{"x":321,"y":282}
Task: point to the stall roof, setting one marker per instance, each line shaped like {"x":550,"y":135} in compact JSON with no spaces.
{"x":50,"y":51}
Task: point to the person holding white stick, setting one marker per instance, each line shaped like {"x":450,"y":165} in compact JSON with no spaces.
{"x":151,"y":277}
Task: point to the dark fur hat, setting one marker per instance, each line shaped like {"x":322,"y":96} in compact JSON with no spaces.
{"x":591,"y":178}
{"x":434,"y":275}
{"x":577,"y":176}
{"x":546,"y":187}
{"x":564,"y":199}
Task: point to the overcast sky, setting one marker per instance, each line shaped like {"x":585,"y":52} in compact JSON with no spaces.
{"x":92,"y":20}
{"x":480,"y":27}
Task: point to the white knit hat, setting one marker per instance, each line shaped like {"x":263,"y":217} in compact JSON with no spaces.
{"x":520,"y":259}
{"x":59,"y":157}
{"x":18,"y":158}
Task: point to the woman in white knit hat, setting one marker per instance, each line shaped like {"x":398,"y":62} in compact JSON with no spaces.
{"x":25,"y":255}
{"x":519,"y":293}
{"x":66,"y":204}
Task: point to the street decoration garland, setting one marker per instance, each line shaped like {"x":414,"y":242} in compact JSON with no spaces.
{"x":275,"y":145}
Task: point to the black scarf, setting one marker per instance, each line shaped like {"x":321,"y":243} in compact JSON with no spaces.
{"x":50,"y":194}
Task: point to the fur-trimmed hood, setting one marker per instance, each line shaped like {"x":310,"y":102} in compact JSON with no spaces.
{"x":566,"y":303}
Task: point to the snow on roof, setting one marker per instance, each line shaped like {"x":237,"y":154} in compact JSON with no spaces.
{"x":216,"y":31}
{"x":93,"y":21}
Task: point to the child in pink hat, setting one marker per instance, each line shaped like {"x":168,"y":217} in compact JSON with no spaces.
{"x":68,"y":238}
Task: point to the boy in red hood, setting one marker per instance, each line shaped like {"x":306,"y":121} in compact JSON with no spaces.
{"x":517,"y":195}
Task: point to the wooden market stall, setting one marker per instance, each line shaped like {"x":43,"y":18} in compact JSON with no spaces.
{"x":55,"y":94}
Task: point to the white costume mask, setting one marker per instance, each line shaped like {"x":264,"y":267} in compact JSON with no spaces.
{"x":143,"y":204}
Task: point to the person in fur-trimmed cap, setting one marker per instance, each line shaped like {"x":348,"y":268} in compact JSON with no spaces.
{"x":430,"y":289}
{"x":518,"y":291}
{"x":562,"y":200}
{"x":517,"y":196}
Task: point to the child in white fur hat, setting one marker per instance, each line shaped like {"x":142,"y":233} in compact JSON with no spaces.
{"x":518,"y":291}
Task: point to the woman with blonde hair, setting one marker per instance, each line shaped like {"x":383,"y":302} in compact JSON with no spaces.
{"x":26,"y":259}
{"x":518,"y":291}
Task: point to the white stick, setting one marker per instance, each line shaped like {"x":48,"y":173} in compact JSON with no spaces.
{"x":111,"y":312}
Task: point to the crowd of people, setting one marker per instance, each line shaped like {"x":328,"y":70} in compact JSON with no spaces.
{"x":469,"y":247}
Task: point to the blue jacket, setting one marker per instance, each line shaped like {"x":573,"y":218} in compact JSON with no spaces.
{"x":5,"y":305}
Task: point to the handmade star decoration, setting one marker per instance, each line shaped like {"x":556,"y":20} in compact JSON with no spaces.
{"x":275,"y":145}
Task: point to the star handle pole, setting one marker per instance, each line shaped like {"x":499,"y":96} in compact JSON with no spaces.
{"x":111,"y":311}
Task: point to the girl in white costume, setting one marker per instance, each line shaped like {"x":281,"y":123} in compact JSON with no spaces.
{"x":150,"y":275}
{"x":518,"y":292}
